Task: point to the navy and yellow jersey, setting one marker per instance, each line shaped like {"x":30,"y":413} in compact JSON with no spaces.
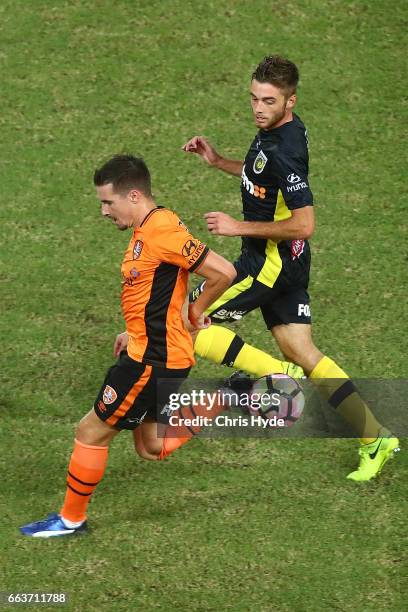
{"x":274,"y":182}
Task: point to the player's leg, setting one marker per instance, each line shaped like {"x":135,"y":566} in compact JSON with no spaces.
{"x":86,"y":467}
{"x":223,"y":346}
{"x":85,"y":471}
{"x":154,"y":441}
{"x":289,"y":319}
{"x":89,"y":457}
{"x":181,"y":429}
{"x":295,"y":341}
{"x":113,"y":411}
{"x":163,"y":430}
{"x":148,"y":439}
{"x":93,"y":431}
{"x":279,"y":272}
{"x":377,"y":444}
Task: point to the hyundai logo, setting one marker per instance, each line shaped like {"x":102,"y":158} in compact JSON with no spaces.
{"x":293,"y":178}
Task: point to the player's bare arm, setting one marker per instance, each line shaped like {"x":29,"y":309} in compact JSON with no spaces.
{"x":201,"y":146}
{"x":219,"y":274}
{"x":299,"y":226}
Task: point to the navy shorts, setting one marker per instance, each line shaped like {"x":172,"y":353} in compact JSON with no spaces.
{"x":286,"y":301}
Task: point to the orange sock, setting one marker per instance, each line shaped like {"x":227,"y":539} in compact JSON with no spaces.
{"x":172,"y":443}
{"x":85,"y":471}
{"x":177,"y":435}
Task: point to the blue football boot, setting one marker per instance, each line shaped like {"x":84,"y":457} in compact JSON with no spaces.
{"x":50,"y":527}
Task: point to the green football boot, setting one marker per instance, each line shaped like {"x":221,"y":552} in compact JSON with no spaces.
{"x":293,"y":370}
{"x":372,"y":458}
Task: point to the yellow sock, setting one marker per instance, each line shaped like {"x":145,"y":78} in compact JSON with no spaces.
{"x":340,"y":392}
{"x":223,"y":346}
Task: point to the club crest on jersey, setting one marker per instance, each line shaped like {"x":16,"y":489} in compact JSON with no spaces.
{"x":260,"y":162}
{"x":297,"y":247}
{"x":137,"y":249}
{"x":109,"y":395}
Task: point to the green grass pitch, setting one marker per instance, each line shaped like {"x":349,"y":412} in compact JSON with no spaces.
{"x":224,"y":524}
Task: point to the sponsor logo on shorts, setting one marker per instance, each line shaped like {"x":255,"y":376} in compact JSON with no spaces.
{"x":137,"y":249}
{"x":101,"y":406}
{"x":109,"y":395}
{"x":260,"y":162}
{"x":167,"y":410}
{"x":297,"y":247}
{"x":197,"y":291}
{"x":137,"y":420}
{"x":303,"y":310}
{"x":255,"y":190}
{"x":223,"y":314}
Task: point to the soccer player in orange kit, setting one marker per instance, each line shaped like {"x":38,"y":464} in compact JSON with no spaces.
{"x":155,"y":269}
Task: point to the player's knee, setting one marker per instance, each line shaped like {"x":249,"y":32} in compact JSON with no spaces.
{"x":305,"y":357}
{"x":143,"y":454}
{"x":154,"y":446}
{"x":295,"y":356}
{"x":90,"y":430}
{"x":82,"y":429}
{"x":149,"y":450}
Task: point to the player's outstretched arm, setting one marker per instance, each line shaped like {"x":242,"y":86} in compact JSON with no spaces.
{"x":299,"y":226}
{"x":219,"y":274}
{"x":201,"y":146}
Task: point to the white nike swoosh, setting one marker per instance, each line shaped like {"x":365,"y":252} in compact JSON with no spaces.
{"x":50,"y":534}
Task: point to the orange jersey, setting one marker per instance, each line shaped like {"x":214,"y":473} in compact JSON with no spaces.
{"x":154,"y":287}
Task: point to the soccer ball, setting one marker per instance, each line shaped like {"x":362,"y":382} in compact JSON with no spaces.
{"x":277,"y":396}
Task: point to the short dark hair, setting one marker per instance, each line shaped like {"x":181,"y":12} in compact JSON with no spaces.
{"x":278,"y":71}
{"x":125,"y":172}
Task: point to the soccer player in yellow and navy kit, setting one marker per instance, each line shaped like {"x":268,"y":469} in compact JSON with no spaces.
{"x":273,"y":269}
